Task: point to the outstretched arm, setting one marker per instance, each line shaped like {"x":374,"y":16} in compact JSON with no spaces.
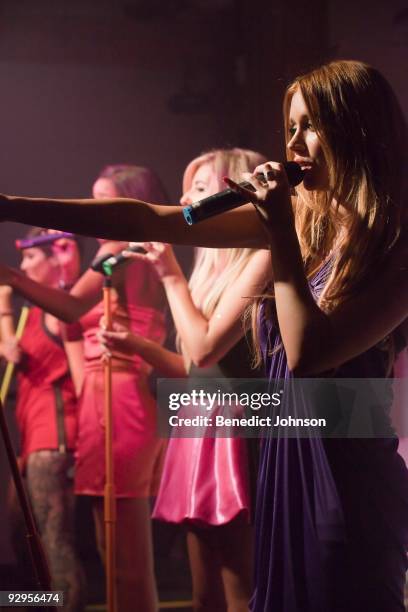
{"x":125,"y":219}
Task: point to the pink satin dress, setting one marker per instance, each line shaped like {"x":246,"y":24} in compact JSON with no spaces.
{"x":137,"y":450}
{"x":209,"y":481}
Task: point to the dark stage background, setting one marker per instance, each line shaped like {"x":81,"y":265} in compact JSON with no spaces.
{"x":84,"y":83}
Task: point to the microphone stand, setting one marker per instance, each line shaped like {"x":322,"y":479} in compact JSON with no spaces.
{"x":105,"y":265}
{"x":109,"y":492}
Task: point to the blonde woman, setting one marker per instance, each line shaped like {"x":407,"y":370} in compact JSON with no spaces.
{"x":206,"y":482}
{"x":332,"y":515}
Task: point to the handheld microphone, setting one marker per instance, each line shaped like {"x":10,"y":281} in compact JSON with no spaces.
{"x":229,"y":199}
{"x":106,"y":264}
{"x":42,"y":240}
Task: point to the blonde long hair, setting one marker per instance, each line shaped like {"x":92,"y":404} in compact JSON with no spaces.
{"x":363,"y":135}
{"x":216,"y":269}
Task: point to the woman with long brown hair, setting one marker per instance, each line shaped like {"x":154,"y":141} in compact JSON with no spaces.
{"x":337,"y":534}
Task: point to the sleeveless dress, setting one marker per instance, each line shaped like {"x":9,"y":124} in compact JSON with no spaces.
{"x":332,"y":514}
{"x":209,"y":481}
{"x":46,"y":409}
{"x":137,"y":449}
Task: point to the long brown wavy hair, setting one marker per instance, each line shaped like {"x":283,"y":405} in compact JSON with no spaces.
{"x":363,"y":134}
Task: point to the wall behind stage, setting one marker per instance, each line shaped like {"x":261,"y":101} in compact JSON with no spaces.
{"x":375,"y":32}
{"x":84,"y":84}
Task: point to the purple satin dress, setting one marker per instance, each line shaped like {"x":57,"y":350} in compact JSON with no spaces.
{"x":332,"y":514}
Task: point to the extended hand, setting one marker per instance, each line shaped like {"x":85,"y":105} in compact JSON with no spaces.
{"x":11,"y":350}
{"x":160,"y":255}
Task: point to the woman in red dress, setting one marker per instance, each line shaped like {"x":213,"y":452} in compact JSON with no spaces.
{"x":47,"y":419}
